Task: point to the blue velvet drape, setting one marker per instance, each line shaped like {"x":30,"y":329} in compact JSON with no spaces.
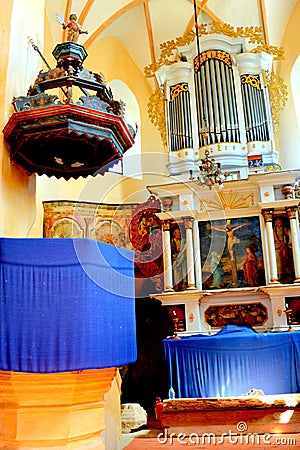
{"x":232,"y":362}
{"x":65,"y":305}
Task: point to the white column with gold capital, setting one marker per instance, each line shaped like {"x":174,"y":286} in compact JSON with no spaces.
{"x":190,"y":260}
{"x":167,"y":256}
{"x":294,"y":226}
{"x":268,"y":217}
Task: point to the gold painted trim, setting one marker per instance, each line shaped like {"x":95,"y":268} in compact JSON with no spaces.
{"x":253,"y":34}
{"x":177,"y":89}
{"x":156,"y":113}
{"x":231,"y":200}
{"x":220,"y":55}
{"x":278,"y":96}
{"x":253,"y":80}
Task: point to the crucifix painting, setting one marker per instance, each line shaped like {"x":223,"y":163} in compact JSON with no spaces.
{"x":231,"y":253}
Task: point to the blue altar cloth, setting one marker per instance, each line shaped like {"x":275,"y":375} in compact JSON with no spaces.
{"x":65,"y":305}
{"x":233,"y":361}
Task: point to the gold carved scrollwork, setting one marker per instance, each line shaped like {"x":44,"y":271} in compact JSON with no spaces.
{"x":156,"y":112}
{"x":166,"y":224}
{"x":212,"y":54}
{"x":168,"y":52}
{"x":277,"y":52}
{"x":254,"y":34}
{"x":168,"y":49}
{"x":177,"y":89}
{"x":268,"y":214}
{"x":253,"y":80}
{"x":278,"y":96}
{"x":291,"y":212}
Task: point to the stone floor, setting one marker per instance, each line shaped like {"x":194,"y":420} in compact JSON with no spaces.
{"x":150,"y":437}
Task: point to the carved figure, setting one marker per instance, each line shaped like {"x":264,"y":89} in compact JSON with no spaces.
{"x":73,"y":28}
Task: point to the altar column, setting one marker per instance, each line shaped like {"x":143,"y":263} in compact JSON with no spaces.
{"x":188,"y":224}
{"x":167,"y":256}
{"x":293,"y":218}
{"x":268,"y":216}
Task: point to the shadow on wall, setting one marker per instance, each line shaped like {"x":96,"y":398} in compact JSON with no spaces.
{"x":147,"y":378}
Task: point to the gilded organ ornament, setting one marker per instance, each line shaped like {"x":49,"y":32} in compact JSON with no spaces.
{"x":253,"y":80}
{"x":156,"y":112}
{"x":212,"y":54}
{"x":177,"y":88}
{"x":168,"y":49}
{"x":278,"y":96}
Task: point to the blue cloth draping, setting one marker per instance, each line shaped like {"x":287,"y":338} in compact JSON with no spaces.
{"x":233,"y":361}
{"x":66,"y":305}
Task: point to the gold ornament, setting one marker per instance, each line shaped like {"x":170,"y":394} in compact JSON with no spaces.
{"x":278,"y":96}
{"x":156,"y":112}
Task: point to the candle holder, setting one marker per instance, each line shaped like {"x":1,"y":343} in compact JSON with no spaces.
{"x":288,"y":313}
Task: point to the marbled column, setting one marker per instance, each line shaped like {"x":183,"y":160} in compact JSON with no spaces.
{"x":188,"y":224}
{"x":294,"y":226}
{"x":268,"y":217}
{"x":167,"y":256}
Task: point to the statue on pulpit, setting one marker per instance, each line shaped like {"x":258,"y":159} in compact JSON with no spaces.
{"x":73,"y":28}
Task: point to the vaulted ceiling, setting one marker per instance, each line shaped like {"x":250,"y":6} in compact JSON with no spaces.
{"x":142,"y":25}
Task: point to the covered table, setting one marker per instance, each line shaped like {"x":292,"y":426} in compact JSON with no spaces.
{"x":66,"y":304}
{"x":233,"y":361}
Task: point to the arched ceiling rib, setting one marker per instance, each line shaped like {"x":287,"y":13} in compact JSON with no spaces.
{"x":142,"y":25}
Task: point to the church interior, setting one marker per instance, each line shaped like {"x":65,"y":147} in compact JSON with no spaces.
{"x":150,"y":241}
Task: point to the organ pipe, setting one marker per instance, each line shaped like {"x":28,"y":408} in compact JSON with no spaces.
{"x":180,"y":124}
{"x":215,"y":97}
{"x":254,"y":109}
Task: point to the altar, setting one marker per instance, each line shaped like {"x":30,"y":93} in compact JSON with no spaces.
{"x":213,"y":374}
{"x":232,"y":362}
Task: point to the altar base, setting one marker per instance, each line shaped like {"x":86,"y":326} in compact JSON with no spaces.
{"x":274,"y":414}
{"x":55,"y":410}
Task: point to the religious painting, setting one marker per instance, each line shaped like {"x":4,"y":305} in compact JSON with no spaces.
{"x":253,"y":314}
{"x":283,"y":249}
{"x":110,"y":232}
{"x":231,"y":253}
{"x":146,"y":238}
{"x":178,"y":255}
{"x":66,"y":228}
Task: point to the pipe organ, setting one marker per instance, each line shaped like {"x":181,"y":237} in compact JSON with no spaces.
{"x":254,"y":109}
{"x":180,"y":124}
{"x":219,"y":100}
{"x":215,"y":98}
